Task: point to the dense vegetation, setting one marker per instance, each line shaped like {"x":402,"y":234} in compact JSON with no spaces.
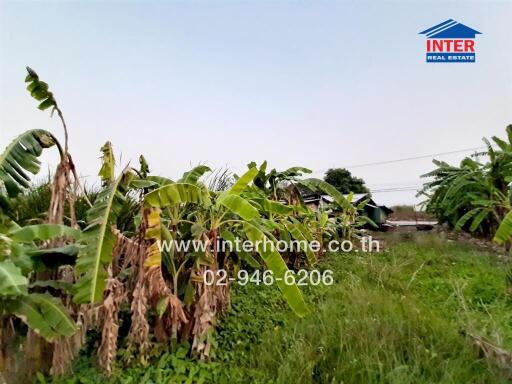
{"x":85,"y":283}
{"x":414,"y":314}
{"x":427,"y":310}
{"x":476,"y":195}
{"x":95,"y":261}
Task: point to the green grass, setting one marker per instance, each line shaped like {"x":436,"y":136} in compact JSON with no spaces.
{"x":398,"y":316}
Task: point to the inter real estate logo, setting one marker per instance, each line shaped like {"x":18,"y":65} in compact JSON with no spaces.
{"x":450,"y":42}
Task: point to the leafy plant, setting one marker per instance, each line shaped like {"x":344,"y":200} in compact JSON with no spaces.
{"x":99,"y":241}
{"x":20,"y":157}
{"x":475,"y":195}
{"x":51,"y":273}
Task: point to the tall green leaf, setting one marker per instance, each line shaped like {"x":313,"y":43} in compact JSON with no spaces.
{"x":39,"y":90}
{"x":238,"y":205}
{"x":294,"y":171}
{"x":465,"y":218}
{"x":99,"y":242}
{"x":479,"y":218}
{"x":43,"y":232}
{"x":45,"y":315}
{"x":192,"y":176}
{"x":21,"y":157}
{"x":297,"y":234}
{"x":12,"y":282}
{"x":276,"y":207}
{"x":243,"y":181}
{"x":108,"y":163}
{"x":276,"y":264}
{"x":161,"y":181}
{"x":177,"y":193}
{"x":504,"y":232}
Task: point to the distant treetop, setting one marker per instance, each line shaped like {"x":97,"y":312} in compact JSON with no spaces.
{"x":344,"y":182}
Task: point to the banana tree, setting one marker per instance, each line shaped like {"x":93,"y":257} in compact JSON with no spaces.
{"x":35,"y":302}
{"x":132,"y":214}
{"x":20,"y":159}
{"x":98,"y":237}
{"x":230,"y":212}
{"x":24,"y":250}
{"x":475,"y":195}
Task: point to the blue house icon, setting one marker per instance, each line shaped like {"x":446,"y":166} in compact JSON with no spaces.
{"x":450,"y":29}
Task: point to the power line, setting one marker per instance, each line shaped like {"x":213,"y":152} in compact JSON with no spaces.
{"x":398,"y":189}
{"x":393,"y":184}
{"x":389,"y":187}
{"x":409,"y":158}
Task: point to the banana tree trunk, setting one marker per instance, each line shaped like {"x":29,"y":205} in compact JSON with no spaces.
{"x":38,"y":355}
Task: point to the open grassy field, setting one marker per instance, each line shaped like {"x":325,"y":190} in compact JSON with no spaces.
{"x":407,"y":314}
{"x":409,"y":212}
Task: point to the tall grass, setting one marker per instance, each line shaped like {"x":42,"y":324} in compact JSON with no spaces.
{"x":32,"y":207}
{"x":364,"y":335}
{"x":396,"y":317}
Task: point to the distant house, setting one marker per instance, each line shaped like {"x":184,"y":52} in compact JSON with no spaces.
{"x":317,"y":202}
{"x":377,"y":213}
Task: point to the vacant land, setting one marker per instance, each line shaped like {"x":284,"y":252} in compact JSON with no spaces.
{"x":408,"y":212}
{"x":412,"y":313}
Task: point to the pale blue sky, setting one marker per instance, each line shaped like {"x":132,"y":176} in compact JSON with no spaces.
{"x":312,"y":83}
